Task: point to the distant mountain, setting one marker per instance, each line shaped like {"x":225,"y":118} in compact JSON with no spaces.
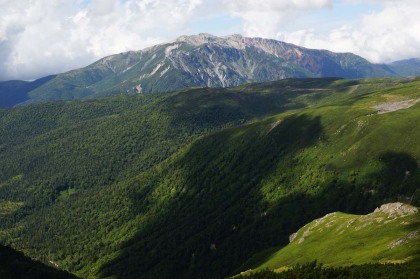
{"x":414,"y":62}
{"x":206,"y":60}
{"x":408,"y":67}
{"x":16,"y":91}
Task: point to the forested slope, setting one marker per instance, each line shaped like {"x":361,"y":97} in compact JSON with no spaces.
{"x":14,"y":265}
{"x":193,"y":183}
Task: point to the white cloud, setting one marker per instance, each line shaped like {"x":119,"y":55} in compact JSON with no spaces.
{"x":387,"y":35}
{"x":274,"y":5}
{"x":264,"y":18}
{"x":51,"y":36}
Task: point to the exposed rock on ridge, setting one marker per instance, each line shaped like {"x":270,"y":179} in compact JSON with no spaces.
{"x":203,"y":60}
{"x":393,"y":210}
{"x":397,"y":209}
{"x":207,"y":60}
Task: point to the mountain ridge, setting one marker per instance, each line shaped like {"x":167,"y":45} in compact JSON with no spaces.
{"x":389,"y":234}
{"x":208,"y":61}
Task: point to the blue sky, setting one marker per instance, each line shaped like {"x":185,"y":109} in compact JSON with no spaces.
{"x":52,"y":36}
{"x":325,"y":19}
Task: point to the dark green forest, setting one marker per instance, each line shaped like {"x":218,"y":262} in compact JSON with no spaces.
{"x":14,"y":265}
{"x":191,"y":184}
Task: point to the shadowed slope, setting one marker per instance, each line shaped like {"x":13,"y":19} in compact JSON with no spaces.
{"x":14,"y":265}
{"x":193,"y":183}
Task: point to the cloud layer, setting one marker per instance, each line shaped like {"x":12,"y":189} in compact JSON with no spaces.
{"x":382,"y":36}
{"x":51,"y":36}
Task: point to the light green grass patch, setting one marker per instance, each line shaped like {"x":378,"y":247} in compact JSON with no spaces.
{"x":340,"y":239}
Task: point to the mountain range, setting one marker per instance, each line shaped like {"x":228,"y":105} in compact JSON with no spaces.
{"x":200,"y":60}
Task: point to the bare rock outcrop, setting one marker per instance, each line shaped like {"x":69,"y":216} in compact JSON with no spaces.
{"x":397,"y":209}
{"x":292,"y":237}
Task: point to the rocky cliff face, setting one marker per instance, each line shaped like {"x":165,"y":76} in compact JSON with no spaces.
{"x":204,"y":60}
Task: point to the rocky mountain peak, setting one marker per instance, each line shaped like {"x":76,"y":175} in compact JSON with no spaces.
{"x":237,"y":41}
{"x":206,"y":60}
{"x":197,"y":40}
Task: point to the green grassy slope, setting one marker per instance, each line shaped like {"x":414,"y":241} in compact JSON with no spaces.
{"x":193,"y":183}
{"x":246,"y":187}
{"x":316,"y":270}
{"x":339,"y":239}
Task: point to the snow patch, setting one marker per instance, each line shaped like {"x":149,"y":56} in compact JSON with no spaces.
{"x":164,"y":71}
{"x":127,"y":69}
{"x":148,"y":62}
{"x":156,"y":69}
{"x":130,"y":67}
{"x":169,"y":49}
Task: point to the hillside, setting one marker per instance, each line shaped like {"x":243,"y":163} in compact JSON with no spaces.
{"x":207,"y":60}
{"x":14,"y":265}
{"x":390,"y":234}
{"x":14,"y":92}
{"x":317,"y":270}
{"x":193,"y":183}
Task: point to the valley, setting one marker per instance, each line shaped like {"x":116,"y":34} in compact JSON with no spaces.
{"x":194,"y":183}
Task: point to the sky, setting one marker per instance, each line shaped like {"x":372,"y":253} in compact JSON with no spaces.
{"x":42,"y":37}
